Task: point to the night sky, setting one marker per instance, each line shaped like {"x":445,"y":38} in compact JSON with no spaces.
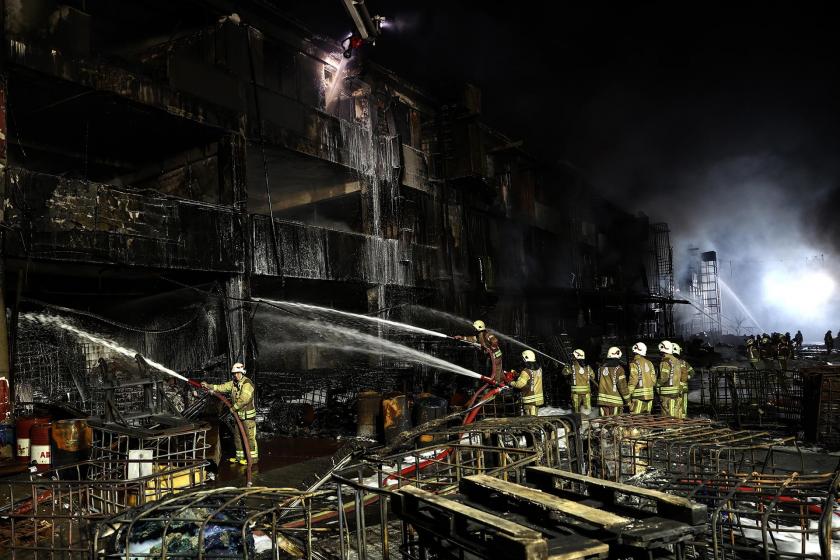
{"x":721,"y":121}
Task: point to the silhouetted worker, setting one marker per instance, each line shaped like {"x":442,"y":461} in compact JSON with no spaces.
{"x":797,"y":341}
{"x":641,"y":380}
{"x":669,"y":380}
{"x":783,"y":352}
{"x":241,"y":390}
{"x":490,"y":344}
{"x":529,"y":382}
{"x":829,"y":342}
{"x":612,"y":384}
{"x":580,"y":376}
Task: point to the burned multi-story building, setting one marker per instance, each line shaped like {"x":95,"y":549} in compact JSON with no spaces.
{"x":165,"y":163}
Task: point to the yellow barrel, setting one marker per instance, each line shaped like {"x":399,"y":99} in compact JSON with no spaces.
{"x":395,"y":415}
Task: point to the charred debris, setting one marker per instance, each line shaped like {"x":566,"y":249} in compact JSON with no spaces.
{"x":186,"y":188}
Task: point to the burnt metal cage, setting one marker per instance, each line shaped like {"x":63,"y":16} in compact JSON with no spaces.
{"x":120,"y":452}
{"x":50,"y":514}
{"x":749,"y":397}
{"x":785,"y":516}
{"x":627,"y":446}
{"x":496,"y":447}
{"x":764,"y":494}
{"x":243,"y":523}
{"x":556,"y":439}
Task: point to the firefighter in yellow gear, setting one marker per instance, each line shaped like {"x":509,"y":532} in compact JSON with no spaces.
{"x":612,"y":384}
{"x":581,"y":375}
{"x":490,"y":344}
{"x":669,"y":381}
{"x":641,"y":381}
{"x":241,"y":391}
{"x":686,"y":371}
{"x":783,"y":351}
{"x":529,"y":381}
{"x":753,"y":352}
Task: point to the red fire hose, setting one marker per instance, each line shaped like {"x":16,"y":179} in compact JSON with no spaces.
{"x":242,"y":433}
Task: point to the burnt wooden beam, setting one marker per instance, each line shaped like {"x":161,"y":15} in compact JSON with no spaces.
{"x":447,"y":522}
{"x":668,"y":506}
{"x":624,"y":532}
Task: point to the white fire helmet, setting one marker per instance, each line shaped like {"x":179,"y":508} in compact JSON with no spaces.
{"x":666,"y":347}
{"x":238,"y":368}
{"x":614,"y":352}
{"x":479,"y":325}
{"x":529,"y":356}
{"x":677,"y":349}
{"x":640,"y":348}
{"x":579,"y":354}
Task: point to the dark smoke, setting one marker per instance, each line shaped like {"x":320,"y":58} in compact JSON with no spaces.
{"x":723,"y":122}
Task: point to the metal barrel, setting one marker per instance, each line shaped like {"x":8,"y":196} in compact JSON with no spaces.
{"x":39,"y":441}
{"x":71,"y":441}
{"x":367,"y":410}
{"x":395,"y":415}
{"x":428,"y":407}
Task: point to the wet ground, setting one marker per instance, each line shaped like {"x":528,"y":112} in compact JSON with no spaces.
{"x":284,"y":462}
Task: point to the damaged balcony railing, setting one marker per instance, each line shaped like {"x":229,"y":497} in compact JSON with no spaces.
{"x":626,"y":446}
{"x":243,"y":523}
{"x":790,"y":516}
{"x":50,"y":515}
{"x":753,"y":397}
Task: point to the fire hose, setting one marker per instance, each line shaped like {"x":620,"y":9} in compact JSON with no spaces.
{"x":471,"y":411}
{"x":242,"y":432}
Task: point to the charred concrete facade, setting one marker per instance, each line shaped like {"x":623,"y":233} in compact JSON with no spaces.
{"x":151,"y":148}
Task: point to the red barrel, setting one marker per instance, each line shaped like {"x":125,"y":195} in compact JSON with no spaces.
{"x":39,"y":442}
{"x":22,"y":429}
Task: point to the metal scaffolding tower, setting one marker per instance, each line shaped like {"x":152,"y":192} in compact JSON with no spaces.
{"x":710,"y":292}
{"x":705,"y":291}
{"x":661,"y":272}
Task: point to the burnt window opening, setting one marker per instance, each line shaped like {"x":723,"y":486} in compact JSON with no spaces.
{"x":304,"y":189}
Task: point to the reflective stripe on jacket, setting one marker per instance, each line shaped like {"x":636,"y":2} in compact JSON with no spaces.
{"x":530,"y":383}
{"x":580,"y":377}
{"x":642,"y":378}
{"x":241,"y":396}
{"x":612,"y":386}
{"x":669,"y":376}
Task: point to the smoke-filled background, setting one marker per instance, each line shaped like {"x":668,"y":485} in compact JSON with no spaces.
{"x":721,"y":120}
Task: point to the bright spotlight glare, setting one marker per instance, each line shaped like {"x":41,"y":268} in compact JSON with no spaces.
{"x":799,"y":294}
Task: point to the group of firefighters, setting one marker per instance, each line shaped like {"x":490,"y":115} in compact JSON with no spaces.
{"x":636,"y":388}
{"x":773,"y":348}
{"x":618,"y":389}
